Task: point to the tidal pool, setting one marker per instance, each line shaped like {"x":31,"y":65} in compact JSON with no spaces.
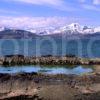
{"x":46,"y":69}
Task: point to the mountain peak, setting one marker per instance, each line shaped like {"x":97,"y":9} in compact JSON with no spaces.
{"x":74,"y":24}
{"x":75,"y":27}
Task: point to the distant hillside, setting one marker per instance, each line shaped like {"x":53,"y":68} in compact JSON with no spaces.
{"x":18,"y":34}
{"x":73,"y":36}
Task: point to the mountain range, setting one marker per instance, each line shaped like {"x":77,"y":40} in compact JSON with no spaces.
{"x":72,"y":29}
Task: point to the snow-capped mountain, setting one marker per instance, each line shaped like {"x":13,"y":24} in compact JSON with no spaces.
{"x":74,"y":28}
{"x":2,"y":28}
{"x":97,"y":29}
{"x":42,"y":31}
{"x":87,"y":30}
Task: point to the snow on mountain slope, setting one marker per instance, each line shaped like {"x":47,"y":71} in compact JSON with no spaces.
{"x":2,"y":28}
{"x":74,"y":28}
{"x":42,"y":30}
{"x":97,"y":29}
{"x":87,"y":30}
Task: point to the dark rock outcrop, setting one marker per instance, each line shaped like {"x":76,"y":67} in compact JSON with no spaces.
{"x":46,"y":60}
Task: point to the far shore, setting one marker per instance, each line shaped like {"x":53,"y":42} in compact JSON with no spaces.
{"x":12,"y":60}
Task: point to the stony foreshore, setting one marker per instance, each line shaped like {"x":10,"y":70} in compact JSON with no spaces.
{"x":37,"y":86}
{"x":47,"y":60}
{"x":34,"y":86}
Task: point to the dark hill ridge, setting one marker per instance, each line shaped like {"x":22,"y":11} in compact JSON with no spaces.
{"x":74,"y":35}
{"x":16,"y":34}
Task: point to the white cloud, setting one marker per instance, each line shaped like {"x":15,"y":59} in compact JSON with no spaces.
{"x":82,"y":1}
{"x":4,"y":11}
{"x":96,"y":2}
{"x":42,"y":2}
{"x":58,"y":4}
{"x":35,"y":22}
{"x":91,"y":7}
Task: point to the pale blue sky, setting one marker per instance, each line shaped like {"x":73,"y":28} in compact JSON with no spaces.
{"x":85,"y":12}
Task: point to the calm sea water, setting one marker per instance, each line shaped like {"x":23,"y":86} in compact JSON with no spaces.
{"x":50,"y":46}
{"x":46,"y":70}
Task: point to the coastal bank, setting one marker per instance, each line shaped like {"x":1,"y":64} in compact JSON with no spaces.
{"x":38,"y":86}
{"x":34,"y":86}
{"x":10,"y":60}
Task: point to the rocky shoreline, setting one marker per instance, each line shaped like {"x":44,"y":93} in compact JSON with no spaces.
{"x":47,"y":60}
{"x":34,"y":86}
{"x":37,"y":86}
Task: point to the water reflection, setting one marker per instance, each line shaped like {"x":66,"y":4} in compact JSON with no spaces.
{"x":47,"y":70}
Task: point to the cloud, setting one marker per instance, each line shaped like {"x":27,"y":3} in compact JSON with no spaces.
{"x":5,"y":11}
{"x":91,"y":7}
{"x":36,"y":22}
{"x":82,"y":1}
{"x":58,"y":4}
{"x":96,"y":2}
{"x":40,"y":2}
